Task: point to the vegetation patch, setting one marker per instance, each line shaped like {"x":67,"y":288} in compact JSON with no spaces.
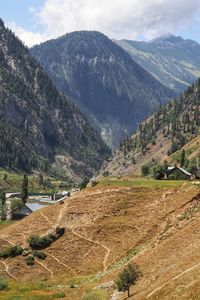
{"x":3,"y":284}
{"x":11,"y":251}
{"x":189,"y":213}
{"x":39,"y":254}
{"x":30,"y":260}
{"x":36,"y":242}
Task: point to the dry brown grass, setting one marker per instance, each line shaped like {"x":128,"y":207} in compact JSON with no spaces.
{"x":107,"y":226}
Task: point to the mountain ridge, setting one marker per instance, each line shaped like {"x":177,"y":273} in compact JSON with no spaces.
{"x":159,"y":55}
{"x":102,"y":79}
{"x":39,"y":127}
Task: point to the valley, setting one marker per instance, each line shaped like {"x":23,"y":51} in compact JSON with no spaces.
{"x":99,"y":162}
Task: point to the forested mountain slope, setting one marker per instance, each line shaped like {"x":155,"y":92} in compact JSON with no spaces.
{"x":114,"y":91}
{"x":173,"y":126}
{"x":40,"y":128}
{"x":175,"y":62}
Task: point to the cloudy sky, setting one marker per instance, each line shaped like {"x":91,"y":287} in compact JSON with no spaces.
{"x":35,"y":21}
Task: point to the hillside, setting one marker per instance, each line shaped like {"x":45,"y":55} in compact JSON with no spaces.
{"x":40,"y":128}
{"x":114,"y":91}
{"x":157,"y":139}
{"x":155,"y":224}
{"x":175,"y":62}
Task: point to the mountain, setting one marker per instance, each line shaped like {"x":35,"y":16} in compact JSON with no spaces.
{"x":98,"y":75}
{"x":40,"y":128}
{"x":175,"y":62}
{"x":175,"y":126}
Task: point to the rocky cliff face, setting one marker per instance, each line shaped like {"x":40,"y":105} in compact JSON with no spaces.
{"x":99,"y":76}
{"x":40,"y":128}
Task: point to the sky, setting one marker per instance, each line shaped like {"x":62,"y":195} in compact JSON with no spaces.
{"x":35,"y":21}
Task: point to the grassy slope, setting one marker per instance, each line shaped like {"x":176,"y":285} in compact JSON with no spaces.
{"x":123,"y":165}
{"x":13,"y":182}
{"x":154,"y":223}
{"x":192,"y":150}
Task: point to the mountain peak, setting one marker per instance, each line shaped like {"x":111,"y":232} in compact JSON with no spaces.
{"x":167,"y":38}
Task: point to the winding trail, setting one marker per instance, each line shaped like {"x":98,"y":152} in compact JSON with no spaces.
{"x":45,"y":267}
{"x":7,"y":270}
{"x":46,"y":218}
{"x":9,"y":242}
{"x":59,"y":222}
{"x":174,"y":278}
{"x":97,"y":243}
{"x":61,"y":263}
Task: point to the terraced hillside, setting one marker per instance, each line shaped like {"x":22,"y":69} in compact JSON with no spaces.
{"x":155,"y":224}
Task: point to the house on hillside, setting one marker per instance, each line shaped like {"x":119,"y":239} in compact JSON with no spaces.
{"x":177,"y":173}
{"x":25,"y":210}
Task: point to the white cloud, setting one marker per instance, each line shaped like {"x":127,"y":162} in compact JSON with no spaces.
{"x":116,"y":18}
{"x":28,"y":37}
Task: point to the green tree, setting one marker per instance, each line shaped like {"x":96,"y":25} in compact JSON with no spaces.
{"x":127,"y":278}
{"x":2,"y":205}
{"x":24,"y":193}
{"x":145,"y":170}
{"x":182,"y":160}
{"x":84,"y":183}
{"x":40,"y":179}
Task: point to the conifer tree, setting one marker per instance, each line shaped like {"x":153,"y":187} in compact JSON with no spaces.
{"x":24,"y":193}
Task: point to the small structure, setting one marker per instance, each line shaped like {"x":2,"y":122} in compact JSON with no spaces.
{"x":177,"y":173}
{"x":26,"y":210}
{"x":197,"y":174}
{"x":60,"y":195}
{"x":13,"y":195}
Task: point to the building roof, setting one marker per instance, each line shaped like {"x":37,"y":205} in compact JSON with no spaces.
{"x":13,"y":195}
{"x":35,"y":206}
{"x":169,"y":169}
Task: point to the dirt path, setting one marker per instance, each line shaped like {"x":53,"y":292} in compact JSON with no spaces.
{"x":7,"y":270}
{"x":97,"y":243}
{"x":46,"y":218}
{"x":9,"y":242}
{"x":61,"y":263}
{"x":174,"y":278}
{"x":45,"y":267}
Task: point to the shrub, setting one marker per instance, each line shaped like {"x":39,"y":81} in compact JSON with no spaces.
{"x":39,"y":254}
{"x":38,"y":243}
{"x":16,"y":203}
{"x":11,"y":251}
{"x":30,"y":260}
{"x":145,"y":170}
{"x":106,"y":173}
{"x":3,"y":284}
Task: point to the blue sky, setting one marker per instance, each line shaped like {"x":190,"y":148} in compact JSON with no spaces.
{"x":35,"y":21}
{"x":18,"y":11}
